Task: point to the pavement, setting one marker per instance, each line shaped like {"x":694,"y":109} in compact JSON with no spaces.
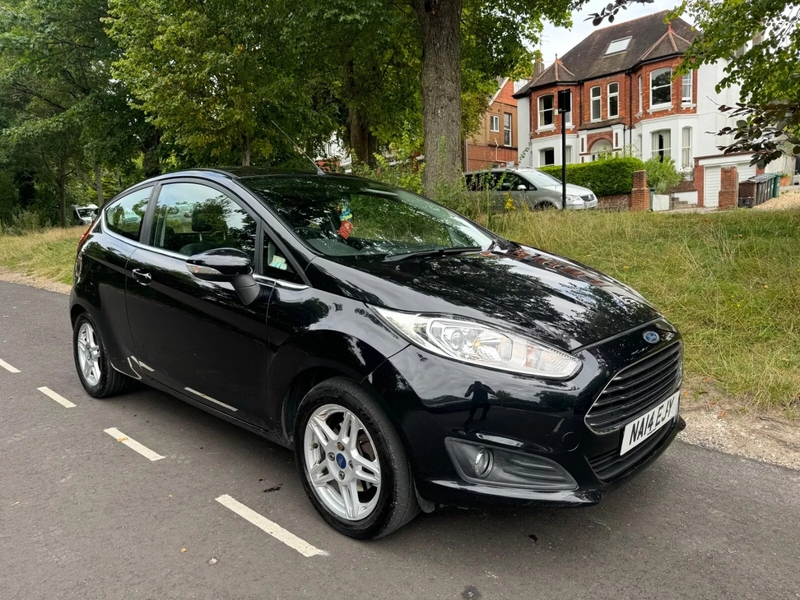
{"x":83,"y":515}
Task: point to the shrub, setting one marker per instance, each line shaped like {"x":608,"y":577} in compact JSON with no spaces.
{"x":607,"y":177}
{"x":23,"y":222}
{"x":662,"y":175}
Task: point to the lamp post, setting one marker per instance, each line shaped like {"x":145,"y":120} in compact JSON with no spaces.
{"x":564,"y":106}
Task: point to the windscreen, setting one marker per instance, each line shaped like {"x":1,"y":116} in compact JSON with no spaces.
{"x":540,"y":179}
{"x":342,"y":216}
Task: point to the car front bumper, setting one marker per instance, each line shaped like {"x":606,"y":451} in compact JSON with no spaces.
{"x":535,"y":420}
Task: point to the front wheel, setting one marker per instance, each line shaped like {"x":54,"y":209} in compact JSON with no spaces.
{"x":352,"y":462}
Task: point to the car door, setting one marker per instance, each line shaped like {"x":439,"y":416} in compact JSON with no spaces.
{"x":194,"y":336}
{"x":104,"y":270}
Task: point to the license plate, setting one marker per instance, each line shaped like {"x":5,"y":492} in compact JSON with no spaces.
{"x":642,"y":428}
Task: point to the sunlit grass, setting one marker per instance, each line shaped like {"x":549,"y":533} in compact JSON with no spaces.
{"x":49,"y":254}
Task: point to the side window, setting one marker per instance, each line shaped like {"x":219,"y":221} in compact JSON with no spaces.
{"x":124,"y":217}
{"x":509,"y":182}
{"x":275,"y":262}
{"x":191,"y":218}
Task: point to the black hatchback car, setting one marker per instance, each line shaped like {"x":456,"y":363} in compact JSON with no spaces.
{"x":409,"y":357}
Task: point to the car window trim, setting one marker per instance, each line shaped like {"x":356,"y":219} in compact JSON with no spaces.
{"x":289,"y":285}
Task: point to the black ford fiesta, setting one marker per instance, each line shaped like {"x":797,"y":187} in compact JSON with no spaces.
{"x":408,"y":356}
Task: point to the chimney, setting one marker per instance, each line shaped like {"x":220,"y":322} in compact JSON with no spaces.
{"x":538,"y":67}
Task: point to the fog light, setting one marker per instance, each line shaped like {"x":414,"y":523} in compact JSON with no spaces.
{"x":483,"y":462}
{"x":507,"y":468}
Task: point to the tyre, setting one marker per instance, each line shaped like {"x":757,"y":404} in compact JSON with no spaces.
{"x":351,"y":461}
{"x":544,"y":206}
{"x":97,"y":376}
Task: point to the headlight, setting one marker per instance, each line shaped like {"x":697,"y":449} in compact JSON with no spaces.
{"x":574,"y":200}
{"x":481,"y":345}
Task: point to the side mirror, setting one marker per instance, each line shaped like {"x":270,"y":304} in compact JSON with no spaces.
{"x":522,"y":187}
{"x":219,"y":264}
{"x":226,"y":265}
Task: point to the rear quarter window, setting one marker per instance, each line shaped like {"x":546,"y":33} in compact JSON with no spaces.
{"x":125,"y":215}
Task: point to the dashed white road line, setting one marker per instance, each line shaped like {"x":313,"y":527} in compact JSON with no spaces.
{"x":273,"y":529}
{"x":57,"y":397}
{"x":8,"y":367}
{"x":132,"y":444}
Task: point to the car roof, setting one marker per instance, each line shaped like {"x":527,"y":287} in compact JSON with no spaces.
{"x":502,"y":170}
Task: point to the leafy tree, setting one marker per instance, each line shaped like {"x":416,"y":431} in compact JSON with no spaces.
{"x":63,"y":114}
{"x":760,"y":39}
{"x":214,"y":77}
{"x":497,"y":33}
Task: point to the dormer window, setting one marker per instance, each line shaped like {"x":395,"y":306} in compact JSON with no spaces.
{"x":618,"y":46}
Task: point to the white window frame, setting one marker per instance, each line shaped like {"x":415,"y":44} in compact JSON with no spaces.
{"x":541,"y":112}
{"x":507,"y":128}
{"x":653,"y":75}
{"x":599,"y":100}
{"x":567,"y":154}
{"x":686,"y":147}
{"x":610,"y":95}
{"x":542,"y":162}
{"x":494,"y":123}
{"x":641,"y":106}
{"x":686,"y":84}
{"x":640,"y":149}
{"x":620,"y":46}
{"x":655,"y":152}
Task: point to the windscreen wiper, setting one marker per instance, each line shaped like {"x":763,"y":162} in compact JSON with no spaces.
{"x":433,"y":252}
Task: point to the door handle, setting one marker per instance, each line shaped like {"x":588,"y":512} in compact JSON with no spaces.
{"x":142,"y":277}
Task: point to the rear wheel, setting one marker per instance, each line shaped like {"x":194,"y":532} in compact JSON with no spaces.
{"x":352,"y":462}
{"x":97,"y":376}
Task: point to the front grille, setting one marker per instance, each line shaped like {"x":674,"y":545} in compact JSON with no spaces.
{"x":587,"y":198}
{"x":610,"y":465}
{"x":636,"y":389}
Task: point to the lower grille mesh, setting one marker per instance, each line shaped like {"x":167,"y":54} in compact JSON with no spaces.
{"x":610,"y":465}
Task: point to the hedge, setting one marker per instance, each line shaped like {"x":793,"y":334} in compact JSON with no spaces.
{"x":606,"y":177}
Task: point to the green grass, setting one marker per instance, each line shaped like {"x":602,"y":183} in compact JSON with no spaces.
{"x":729,"y":281}
{"x":49,"y":254}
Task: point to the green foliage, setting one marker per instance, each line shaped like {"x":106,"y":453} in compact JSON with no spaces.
{"x":61,"y":113}
{"x":662,"y":174}
{"x":23,"y":222}
{"x":606,"y":177}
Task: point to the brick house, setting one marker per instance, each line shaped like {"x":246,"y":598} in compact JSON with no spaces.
{"x":624,"y":94}
{"x":495,"y":142}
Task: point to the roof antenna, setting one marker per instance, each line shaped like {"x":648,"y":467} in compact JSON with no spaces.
{"x":298,"y":150}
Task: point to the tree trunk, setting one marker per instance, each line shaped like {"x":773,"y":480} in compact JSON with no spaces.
{"x":362,"y":143}
{"x":440,"y":21}
{"x":246,"y":150}
{"x":98,"y":184}
{"x":61,"y":191}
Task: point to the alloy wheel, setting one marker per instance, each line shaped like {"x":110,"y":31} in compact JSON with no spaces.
{"x":341,"y":462}
{"x":89,"y":354}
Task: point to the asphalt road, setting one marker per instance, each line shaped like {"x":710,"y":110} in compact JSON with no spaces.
{"x":85,"y":516}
